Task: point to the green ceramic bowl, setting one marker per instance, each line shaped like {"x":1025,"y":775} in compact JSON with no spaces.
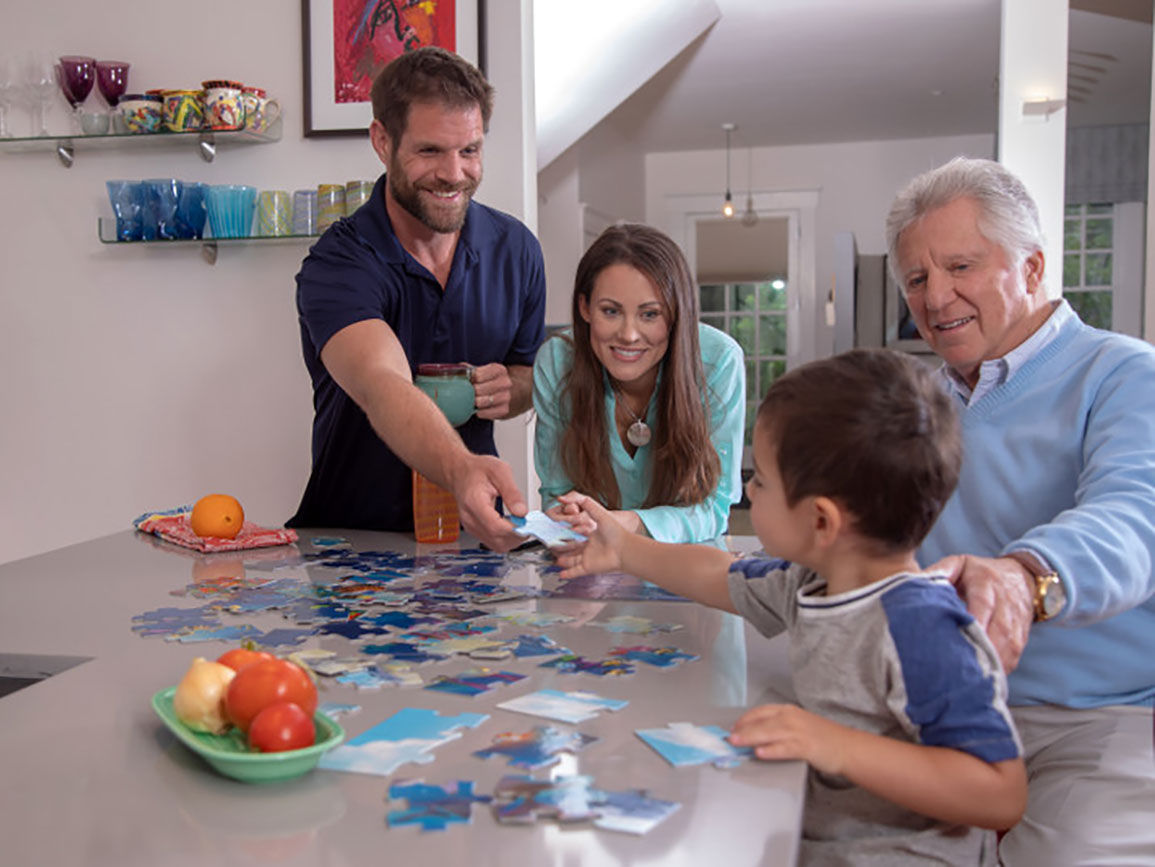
{"x":230,"y":755}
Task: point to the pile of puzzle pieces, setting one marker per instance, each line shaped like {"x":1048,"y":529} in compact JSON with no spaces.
{"x":400,"y":613}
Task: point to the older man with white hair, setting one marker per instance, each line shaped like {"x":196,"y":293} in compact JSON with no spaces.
{"x":1050,"y":536}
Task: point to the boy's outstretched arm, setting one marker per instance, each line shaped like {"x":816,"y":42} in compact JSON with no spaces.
{"x":943,"y":783}
{"x":697,"y":572}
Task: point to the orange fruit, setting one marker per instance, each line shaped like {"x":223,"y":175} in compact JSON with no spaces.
{"x":217,"y":515}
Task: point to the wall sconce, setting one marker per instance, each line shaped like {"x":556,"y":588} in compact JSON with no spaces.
{"x":1039,"y":108}
{"x":728,"y":204}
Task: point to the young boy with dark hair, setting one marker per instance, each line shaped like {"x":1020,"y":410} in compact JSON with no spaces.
{"x":901,"y":709}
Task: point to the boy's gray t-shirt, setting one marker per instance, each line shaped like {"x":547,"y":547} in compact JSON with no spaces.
{"x":900,"y":658}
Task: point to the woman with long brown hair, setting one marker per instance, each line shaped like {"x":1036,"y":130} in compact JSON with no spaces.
{"x":640,"y":405}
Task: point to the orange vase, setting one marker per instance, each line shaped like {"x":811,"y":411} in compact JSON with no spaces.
{"x":435,"y":516}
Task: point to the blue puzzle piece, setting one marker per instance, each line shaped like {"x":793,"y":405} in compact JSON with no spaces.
{"x":220,"y":633}
{"x":433,"y":807}
{"x":662,"y":657}
{"x":683,"y":744}
{"x":633,"y":811}
{"x":473,"y":681}
{"x":541,"y":526}
{"x":538,"y":748}
{"x":572,"y":664}
{"x":522,"y":799}
{"x":409,"y":735}
{"x":403,"y":652}
{"x":568,"y":707}
{"x":536,"y":645}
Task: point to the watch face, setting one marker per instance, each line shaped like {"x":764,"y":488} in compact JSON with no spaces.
{"x":1054,"y":599}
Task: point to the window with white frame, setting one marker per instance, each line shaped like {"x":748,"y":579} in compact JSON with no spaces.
{"x":754,"y":314}
{"x":1089,"y":262}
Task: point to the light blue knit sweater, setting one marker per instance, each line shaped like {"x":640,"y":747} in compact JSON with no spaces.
{"x":1060,"y":461}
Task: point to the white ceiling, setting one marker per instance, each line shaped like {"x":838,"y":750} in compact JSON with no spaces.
{"x":806,"y":71}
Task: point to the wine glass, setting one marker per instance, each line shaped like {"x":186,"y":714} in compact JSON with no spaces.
{"x":112,"y":80}
{"x":77,"y":75}
{"x":39,"y":83}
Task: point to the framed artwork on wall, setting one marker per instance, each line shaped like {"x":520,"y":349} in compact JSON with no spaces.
{"x":347,"y":42}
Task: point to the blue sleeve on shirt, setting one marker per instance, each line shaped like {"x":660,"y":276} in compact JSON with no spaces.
{"x":955,"y":691}
{"x":758,"y":567}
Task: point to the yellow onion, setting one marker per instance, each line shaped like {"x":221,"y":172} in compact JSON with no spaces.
{"x":199,"y":700}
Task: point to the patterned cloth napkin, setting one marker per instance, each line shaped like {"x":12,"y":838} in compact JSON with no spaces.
{"x":172,"y":525}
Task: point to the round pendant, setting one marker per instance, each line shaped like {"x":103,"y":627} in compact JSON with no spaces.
{"x":638,"y":434}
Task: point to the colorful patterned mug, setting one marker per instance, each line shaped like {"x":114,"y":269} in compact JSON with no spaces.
{"x":142,"y":112}
{"x":260,"y":111}
{"x":223,"y":106}
{"x":183,"y":110}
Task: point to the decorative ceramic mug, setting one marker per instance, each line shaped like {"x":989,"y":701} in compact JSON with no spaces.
{"x":223,"y":106}
{"x":142,"y":112}
{"x":450,"y":387}
{"x":260,"y":111}
{"x":183,"y":110}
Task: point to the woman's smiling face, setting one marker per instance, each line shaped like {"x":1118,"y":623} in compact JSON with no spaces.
{"x":629,"y":325}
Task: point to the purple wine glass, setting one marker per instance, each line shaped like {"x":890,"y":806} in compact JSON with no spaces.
{"x":77,"y":75}
{"x":112,"y":79}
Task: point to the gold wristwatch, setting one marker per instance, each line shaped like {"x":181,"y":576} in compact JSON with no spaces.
{"x":1049,"y":597}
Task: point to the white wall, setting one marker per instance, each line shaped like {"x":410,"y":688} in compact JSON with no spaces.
{"x":855,"y":182}
{"x":141,"y":378}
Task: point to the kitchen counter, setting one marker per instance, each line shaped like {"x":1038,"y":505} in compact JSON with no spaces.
{"x":92,"y":777}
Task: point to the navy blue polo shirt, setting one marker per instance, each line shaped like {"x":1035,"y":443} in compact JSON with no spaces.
{"x":491,"y":310}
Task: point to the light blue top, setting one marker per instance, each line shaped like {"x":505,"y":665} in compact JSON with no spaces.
{"x":726,"y":399}
{"x":1059,"y":460}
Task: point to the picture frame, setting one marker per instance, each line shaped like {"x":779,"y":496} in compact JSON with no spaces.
{"x":323,"y":115}
{"x":899,"y":330}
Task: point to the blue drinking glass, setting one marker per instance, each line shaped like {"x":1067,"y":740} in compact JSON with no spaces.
{"x":127,"y":199}
{"x":190,"y":210}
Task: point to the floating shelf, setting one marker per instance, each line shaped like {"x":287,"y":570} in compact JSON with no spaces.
{"x":204,"y":140}
{"x":106,"y":232}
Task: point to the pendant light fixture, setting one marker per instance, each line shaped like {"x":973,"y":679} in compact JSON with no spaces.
{"x":728,"y":204}
{"x":750,"y":216}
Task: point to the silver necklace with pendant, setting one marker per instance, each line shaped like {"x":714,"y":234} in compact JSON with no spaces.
{"x":638,"y":433}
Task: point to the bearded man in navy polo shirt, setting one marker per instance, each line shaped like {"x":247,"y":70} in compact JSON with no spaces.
{"x":420,"y":274}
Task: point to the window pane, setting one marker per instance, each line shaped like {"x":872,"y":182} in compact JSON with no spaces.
{"x":1097,"y":269}
{"x":1071,"y":269}
{"x":1099,"y":234}
{"x":743,"y":297}
{"x":1072,"y":239}
{"x":1094,"y":308}
{"x":713,"y":297}
{"x":1107,"y":208}
{"x":770,"y":298}
{"x":742,"y":329}
{"x":1073,"y":210}
{"x":770,"y":371}
{"x":771,"y":334}
{"x":751,"y":381}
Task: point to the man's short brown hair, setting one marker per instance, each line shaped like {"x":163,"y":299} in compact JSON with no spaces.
{"x":872,"y":430}
{"x":427,"y":74}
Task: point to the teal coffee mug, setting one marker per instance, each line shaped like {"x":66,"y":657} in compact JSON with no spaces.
{"x":449,"y":386}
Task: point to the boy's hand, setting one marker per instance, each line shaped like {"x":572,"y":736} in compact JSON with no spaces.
{"x":603,"y":550}
{"x":786,"y":731}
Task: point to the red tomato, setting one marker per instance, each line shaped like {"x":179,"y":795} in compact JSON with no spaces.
{"x":239,"y":657}
{"x":282,"y":726}
{"x":264,"y":683}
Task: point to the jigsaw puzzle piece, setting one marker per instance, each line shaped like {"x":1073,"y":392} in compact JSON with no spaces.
{"x":538,"y":748}
{"x":683,"y":744}
{"x":434,"y":807}
{"x":522,"y":799}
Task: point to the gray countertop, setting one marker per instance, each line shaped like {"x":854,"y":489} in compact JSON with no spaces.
{"x":91,"y":776}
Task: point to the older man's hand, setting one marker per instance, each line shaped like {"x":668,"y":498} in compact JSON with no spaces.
{"x":997,"y":592}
